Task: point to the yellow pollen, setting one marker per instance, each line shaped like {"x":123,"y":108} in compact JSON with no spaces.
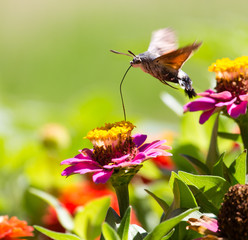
{"x":111,"y":132}
{"x":238,"y":65}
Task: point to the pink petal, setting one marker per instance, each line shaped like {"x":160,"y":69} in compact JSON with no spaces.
{"x":157,"y":152}
{"x":81,"y":168}
{"x":149,"y":146}
{"x":203,"y":103}
{"x":120,"y":159}
{"x":102,"y":176}
{"x":244,"y":97}
{"x":165,"y":147}
{"x":139,"y":139}
{"x":140,"y":156}
{"x":211,"y":225}
{"x":221,"y":104}
{"x":206,"y":93}
{"x":225,"y":95}
{"x":88,"y":152}
{"x":76,"y":160}
{"x":206,"y":115}
{"x":235,"y":110}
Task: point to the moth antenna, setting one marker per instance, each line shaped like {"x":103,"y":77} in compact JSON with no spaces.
{"x":131,"y":53}
{"x":122,"y":100}
{"x":113,"y":51}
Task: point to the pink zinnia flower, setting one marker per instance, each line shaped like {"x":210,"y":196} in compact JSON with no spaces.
{"x":231,"y":90}
{"x":114,"y":152}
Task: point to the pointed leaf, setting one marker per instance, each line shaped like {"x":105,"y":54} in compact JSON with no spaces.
{"x":160,"y":201}
{"x":213,"y":153}
{"x":237,"y":170}
{"x":109,"y":233}
{"x":124,"y":226}
{"x":200,"y":167}
{"x":112,"y":218}
{"x":218,"y":167}
{"x":63,"y":215}
{"x":206,"y":188}
{"x":88,"y":221}
{"x":165,"y":227}
{"x":57,"y":235}
{"x":183,"y":197}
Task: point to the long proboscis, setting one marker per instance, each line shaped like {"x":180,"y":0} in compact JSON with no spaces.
{"x":113,"y":51}
{"x":122,"y":100}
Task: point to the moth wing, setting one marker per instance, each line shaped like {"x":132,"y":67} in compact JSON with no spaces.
{"x":163,"y":41}
{"x":176,"y":59}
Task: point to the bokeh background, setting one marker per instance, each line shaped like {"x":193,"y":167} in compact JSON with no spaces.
{"x":59,"y":80}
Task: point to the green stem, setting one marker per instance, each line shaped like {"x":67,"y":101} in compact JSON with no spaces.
{"x":242,"y":121}
{"x":123,"y":197}
{"x":244,"y":133}
{"x":213,"y":151}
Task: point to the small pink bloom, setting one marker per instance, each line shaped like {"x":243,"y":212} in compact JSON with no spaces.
{"x":212,"y":102}
{"x":113,"y":149}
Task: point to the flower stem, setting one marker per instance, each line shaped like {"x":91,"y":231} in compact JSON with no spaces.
{"x":123,"y":198}
{"x":242,"y":121}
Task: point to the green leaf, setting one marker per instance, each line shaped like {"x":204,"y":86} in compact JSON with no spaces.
{"x":165,"y":227}
{"x":183,"y":197}
{"x":230,"y":136}
{"x":57,"y":235}
{"x":218,"y":167}
{"x":208,"y":190}
{"x":124,"y":226}
{"x":88,"y":221}
{"x":63,"y":215}
{"x":213,"y":153}
{"x":181,"y":233}
{"x":112,"y":218}
{"x":237,"y":170}
{"x":160,"y":201}
{"x":199,"y":166}
{"x":109,"y":233}
{"x":169,"y":234}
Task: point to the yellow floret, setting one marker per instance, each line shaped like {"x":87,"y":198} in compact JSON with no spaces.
{"x":111,"y":131}
{"x":238,"y":65}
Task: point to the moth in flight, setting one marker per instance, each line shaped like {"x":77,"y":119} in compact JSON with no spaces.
{"x":163,"y":59}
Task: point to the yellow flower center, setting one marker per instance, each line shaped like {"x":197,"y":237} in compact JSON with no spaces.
{"x":110,"y":134}
{"x":233,"y":67}
{"x":231,"y":75}
{"x":112,"y":141}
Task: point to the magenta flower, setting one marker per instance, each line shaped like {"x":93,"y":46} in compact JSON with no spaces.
{"x":231,"y":92}
{"x":114,"y":150}
{"x":212,"y":102}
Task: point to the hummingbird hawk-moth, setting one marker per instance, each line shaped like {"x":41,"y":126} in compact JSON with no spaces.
{"x":163,"y":59}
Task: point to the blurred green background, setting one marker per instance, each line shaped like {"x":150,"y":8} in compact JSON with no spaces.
{"x":56,"y":67}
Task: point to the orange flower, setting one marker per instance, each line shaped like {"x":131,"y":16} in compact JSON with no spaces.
{"x":164,"y":162}
{"x":80,"y":194}
{"x":13,"y":228}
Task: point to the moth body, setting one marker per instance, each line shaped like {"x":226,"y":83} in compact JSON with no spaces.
{"x":163,"y":59}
